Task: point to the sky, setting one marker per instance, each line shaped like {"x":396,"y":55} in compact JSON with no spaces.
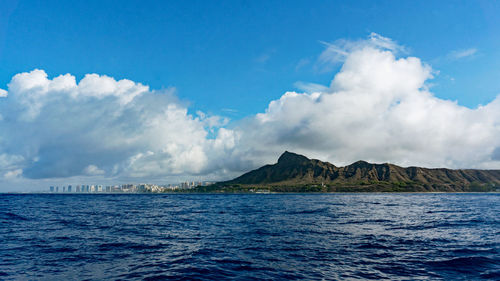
{"x":167,"y":91}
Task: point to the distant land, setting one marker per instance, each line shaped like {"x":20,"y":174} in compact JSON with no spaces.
{"x":297,"y":173}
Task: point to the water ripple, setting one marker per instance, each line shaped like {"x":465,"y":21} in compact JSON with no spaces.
{"x":267,"y":236}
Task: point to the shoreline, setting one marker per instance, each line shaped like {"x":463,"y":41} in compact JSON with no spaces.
{"x":244,"y":193}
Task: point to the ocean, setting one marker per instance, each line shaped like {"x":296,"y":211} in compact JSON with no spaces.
{"x":254,"y":236}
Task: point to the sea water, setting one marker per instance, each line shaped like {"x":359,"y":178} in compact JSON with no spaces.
{"x":260,"y":236}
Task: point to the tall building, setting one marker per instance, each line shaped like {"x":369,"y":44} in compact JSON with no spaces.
{"x":51,"y":188}
{"x":77,"y":188}
{"x":57,"y":188}
{"x":64,"y":189}
{"x":69,"y":188}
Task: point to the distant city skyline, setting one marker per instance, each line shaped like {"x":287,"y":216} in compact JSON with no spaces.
{"x":163,"y":91}
{"x":123,"y":188}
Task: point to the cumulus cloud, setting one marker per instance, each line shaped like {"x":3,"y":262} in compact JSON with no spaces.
{"x":100,"y":126}
{"x":378,"y":108}
{"x":3,"y":93}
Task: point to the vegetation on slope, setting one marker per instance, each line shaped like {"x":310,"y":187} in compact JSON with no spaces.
{"x":297,"y":173}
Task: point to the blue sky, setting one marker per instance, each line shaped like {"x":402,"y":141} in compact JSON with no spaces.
{"x":168,"y":91}
{"x":239,"y":55}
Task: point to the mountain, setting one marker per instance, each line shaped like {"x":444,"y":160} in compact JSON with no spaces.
{"x":297,"y":173}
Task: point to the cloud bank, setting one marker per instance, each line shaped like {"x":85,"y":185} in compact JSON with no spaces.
{"x":57,"y":128}
{"x":378,"y":108}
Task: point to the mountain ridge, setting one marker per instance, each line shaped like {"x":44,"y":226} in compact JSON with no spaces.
{"x":296,"y":173}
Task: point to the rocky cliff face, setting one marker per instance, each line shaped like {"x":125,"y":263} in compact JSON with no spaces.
{"x":294,"y":169}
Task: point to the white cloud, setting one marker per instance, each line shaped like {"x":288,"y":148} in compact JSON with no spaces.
{"x":338,"y":51}
{"x":310,"y":87}
{"x":3,"y":93}
{"x":102,"y":127}
{"x":378,"y":108}
{"x":93,"y":170}
{"x":460,"y":54}
{"x":13,"y":174}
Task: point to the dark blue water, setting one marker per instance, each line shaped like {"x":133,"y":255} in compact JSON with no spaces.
{"x":268,"y":236}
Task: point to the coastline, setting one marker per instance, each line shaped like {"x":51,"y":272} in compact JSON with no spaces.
{"x":250,"y":193}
